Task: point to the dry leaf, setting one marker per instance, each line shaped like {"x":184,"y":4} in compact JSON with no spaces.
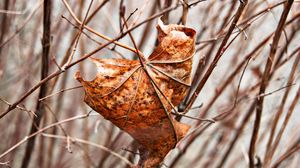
{"x":138,"y":99}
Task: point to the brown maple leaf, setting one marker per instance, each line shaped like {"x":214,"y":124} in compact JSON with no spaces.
{"x":139,"y":97}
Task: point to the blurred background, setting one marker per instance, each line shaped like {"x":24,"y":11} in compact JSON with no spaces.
{"x":64,"y":132}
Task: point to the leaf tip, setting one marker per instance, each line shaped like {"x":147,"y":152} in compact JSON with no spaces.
{"x":162,"y":26}
{"x":164,"y":30}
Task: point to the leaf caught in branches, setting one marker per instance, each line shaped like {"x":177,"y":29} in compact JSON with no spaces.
{"x":138,"y":97}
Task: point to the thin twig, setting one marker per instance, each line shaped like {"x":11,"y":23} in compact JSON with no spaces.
{"x":78,"y":35}
{"x":58,"y":92}
{"x":292,"y":150}
{"x":95,"y":32}
{"x":35,"y":9}
{"x":271,"y":146}
{"x":264,"y":82}
{"x":5,"y":164}
{"x":74,"y":140}
{"x":19,"y":107}
{"x":40,"y":109}
{"x":25,"y":139}
{"x":217,"y":57}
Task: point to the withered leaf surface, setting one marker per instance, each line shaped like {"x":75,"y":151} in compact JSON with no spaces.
{"x":139,"y":99}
